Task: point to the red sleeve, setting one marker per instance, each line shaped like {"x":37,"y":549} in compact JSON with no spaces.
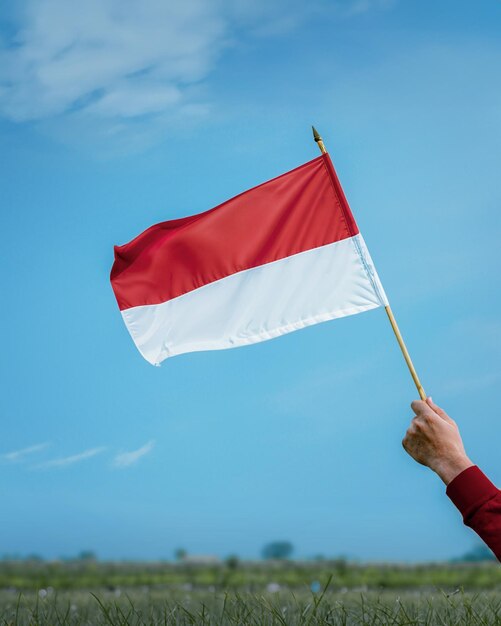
{"x":479,"y":501}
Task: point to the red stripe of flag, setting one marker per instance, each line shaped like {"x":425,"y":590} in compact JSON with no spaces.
{"x":297,"y":211}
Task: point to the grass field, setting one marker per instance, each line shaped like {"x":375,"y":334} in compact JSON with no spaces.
{"x":309,"y":593}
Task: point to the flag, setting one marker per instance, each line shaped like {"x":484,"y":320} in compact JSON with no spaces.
{"x":276,"y":258}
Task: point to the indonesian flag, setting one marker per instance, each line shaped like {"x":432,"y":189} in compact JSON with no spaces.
{"x":274,"y":259}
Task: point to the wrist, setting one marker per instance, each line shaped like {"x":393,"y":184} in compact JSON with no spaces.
{"x":448,"y":469}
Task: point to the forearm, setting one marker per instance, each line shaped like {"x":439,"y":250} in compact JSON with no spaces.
{"x":479,"y":501}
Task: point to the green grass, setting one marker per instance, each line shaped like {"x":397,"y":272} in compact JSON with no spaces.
{"x":152,"y":608}
{"x":149,"y":594}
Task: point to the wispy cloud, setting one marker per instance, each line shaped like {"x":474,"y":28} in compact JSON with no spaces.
{"x":19,"y":455}
{"x":70,"y":460}
{"x":110,"y":58}
{"x":117,"y":66}
{"x":125,"y":459}
{"x":357,"y":7}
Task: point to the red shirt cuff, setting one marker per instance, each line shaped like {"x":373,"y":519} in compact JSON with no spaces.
{"x":470,"y":490}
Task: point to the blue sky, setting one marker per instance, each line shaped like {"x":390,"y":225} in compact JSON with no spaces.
{"x":118,"y":115}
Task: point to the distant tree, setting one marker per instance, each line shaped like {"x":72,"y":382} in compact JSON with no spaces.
{"x":87,"y":555}
{"x":180,"y":554}
{"x":232,"y":561}
{"x":477,"y":554}
{"x":11,"y":557}
{"x":278,"y":550}
{"x":341,"y":565}
{"x":34,"y":558}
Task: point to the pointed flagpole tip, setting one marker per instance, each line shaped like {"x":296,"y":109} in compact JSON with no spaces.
{"x":316,"y":136}
{"x":319,"y":141}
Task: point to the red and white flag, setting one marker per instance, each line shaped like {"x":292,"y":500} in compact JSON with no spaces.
{"x":279,"y":257}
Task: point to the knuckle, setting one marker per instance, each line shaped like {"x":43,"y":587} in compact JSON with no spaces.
{"x":420,"y":426}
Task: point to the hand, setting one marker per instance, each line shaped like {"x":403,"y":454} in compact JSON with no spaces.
{"x":433,"y":440}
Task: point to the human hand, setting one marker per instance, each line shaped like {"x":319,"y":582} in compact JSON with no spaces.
{"x":433,"y":440}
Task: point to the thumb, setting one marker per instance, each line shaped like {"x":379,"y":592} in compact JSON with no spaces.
{"x":440,"y":412}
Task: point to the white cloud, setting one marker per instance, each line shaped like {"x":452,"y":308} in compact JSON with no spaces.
{"x":357,"y":7}
{"x":116,"y":76}
{"x":70,"y":460}
{"x":123,"y":59}
{"x":109,"y":57}
{"x":125,"y":459}
{"x":19,"y":455}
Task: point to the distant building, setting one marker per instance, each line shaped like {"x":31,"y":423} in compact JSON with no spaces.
{"x":200,"y":559}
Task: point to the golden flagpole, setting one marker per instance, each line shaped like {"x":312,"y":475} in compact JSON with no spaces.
{"x":387,"y":308}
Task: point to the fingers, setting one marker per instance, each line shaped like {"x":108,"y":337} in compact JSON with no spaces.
{"x":427,"y":408}
{"x":420,"y":407}
{"x":416,"y":427}
{"x":440,"y":412}
{"x":406,"y":441}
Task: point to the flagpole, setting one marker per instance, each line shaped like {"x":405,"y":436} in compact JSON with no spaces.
{"x":387,"y":308}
